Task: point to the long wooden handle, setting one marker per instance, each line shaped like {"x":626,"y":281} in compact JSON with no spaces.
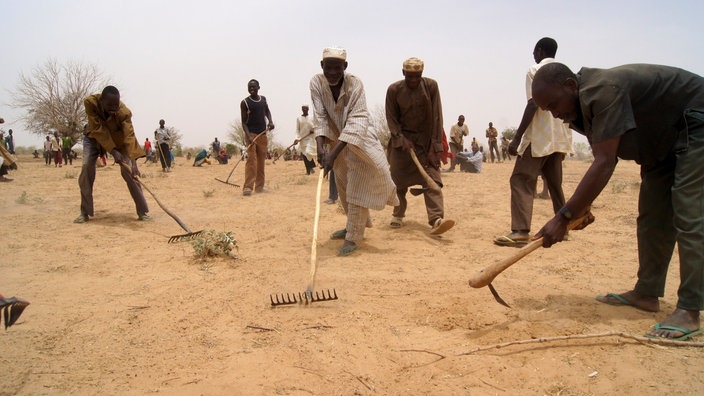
{"x":282,"y":153}
{"x":164,"y":208}
{"x":428,"y":179}
{"x":314,"y":245}
{"x":485,"y":276}
{"x":245,"y":149}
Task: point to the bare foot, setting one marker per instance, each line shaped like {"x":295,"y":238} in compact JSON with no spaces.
{"x":679,"y":324}
{"x":632,"y":299}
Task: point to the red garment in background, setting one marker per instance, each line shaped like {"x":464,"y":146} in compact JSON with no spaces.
{"x":446,"y":154}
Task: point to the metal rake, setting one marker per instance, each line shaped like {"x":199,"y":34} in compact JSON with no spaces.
{"x":304,"y":298}
{"x":307,"y":297}
{"x":227,"y":181}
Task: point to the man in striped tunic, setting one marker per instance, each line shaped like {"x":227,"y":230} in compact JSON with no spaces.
{"x":357,"y":157}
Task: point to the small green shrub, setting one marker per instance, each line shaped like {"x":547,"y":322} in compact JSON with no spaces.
{"x":211,"y":243}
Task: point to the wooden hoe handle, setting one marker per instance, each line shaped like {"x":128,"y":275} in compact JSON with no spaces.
{"x":485,"y":276}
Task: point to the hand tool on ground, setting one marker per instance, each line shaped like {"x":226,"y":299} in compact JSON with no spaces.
{"x":308,"y":296}
{"x":428,"y":179}
{"x":227,"y":181}
{"x":12,"y":308}
{"x":485,"y":276}
{"x":175,"y":238}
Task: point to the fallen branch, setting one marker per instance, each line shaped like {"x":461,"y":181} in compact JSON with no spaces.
{"x":440,"y":356}
{"x":647,"y":340}
{"x":369,"y":387}
{"x":260,"y":328}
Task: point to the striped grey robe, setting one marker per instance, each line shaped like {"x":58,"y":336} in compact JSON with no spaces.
{"x":361,"y":170}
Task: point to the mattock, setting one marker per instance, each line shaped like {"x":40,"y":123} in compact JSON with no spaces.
{"x":485,"y":276}
{"x":308,"y":297}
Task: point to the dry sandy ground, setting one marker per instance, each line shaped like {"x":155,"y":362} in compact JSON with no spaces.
{"x":117,"y":310}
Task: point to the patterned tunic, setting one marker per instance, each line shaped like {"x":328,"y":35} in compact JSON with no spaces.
{"x":369,"y":183}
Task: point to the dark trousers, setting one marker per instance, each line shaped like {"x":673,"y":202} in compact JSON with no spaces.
{"x":671,"y":209}
{"x":333,"y":186}
{"x":405,"y":173}
{"x":68,"y":158}
{"x":164,"y":155}
{"x":523,"y":183}
{"x":91,"y":150}
{"x":309,"y":163}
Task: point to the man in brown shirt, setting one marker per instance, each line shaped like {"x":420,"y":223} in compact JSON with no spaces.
{"x":109,"y":127}
{"x":457,"y":134}
{"x":492,"y":135}
{"x":414,"y":116}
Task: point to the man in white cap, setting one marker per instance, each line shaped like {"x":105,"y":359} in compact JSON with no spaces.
{"x":414,"y":115}
{"x":357,"y":157}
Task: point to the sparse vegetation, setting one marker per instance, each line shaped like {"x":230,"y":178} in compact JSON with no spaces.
{"x":211,"y":244}
{"x":509,"y":133}
{"x":24,"y":199}
{"x":70,"y":175}
{"x":208,"y":193}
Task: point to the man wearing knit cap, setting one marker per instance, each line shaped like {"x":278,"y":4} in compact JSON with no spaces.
{"x":357,"y":157}
{"x":414,"y":115}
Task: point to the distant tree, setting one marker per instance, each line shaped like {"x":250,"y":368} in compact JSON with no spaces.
{"x":235,"y":134}
{"x":52,"y":96}
{"x":378,"y":119}
{"x":176,"y":139}
{"x":582,"y":151}
{"x":509,"y":133}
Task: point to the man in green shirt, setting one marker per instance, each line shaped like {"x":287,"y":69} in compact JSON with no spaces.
{"x":653,"y":115}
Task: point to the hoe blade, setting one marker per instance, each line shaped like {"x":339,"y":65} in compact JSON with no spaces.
{"x":12,"y":309}
{"x":304,"y":298}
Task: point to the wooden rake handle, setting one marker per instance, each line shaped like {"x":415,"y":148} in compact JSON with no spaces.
{"x":314,"y":245}
{"x":164,"y":208}
{"x":245,"y":149}
{"x":485,"y":276}
{"x":428,"y":179}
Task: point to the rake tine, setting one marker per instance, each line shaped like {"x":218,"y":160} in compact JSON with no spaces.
{"x":304,"y":298}
{"x":182,"y":237}
{"x":228,"y":183}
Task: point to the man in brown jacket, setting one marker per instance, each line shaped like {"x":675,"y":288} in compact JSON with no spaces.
{"x":110,"y":127}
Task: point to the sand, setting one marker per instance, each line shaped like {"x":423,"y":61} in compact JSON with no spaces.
{"x":117,"y":310}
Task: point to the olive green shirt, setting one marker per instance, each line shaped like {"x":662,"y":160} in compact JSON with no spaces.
{"x":643,"y":104}
{"x":112,"y":131}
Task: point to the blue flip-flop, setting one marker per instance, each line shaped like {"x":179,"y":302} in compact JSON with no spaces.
{"x":621,"y":302}
{"x":339,"y":234}
{"x":685,"y":333}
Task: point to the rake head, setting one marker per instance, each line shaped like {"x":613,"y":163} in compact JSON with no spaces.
{"x":184,"y":237}
{"x":228,"y":183}
{"x":305,"y":298}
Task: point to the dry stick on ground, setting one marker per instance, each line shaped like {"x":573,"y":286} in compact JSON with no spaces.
{"x":658,"y":341}
{"x":441,"y":356}
{"x":260,"y":328}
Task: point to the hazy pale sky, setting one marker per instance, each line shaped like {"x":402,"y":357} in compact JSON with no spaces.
{"x":188,"y":62}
